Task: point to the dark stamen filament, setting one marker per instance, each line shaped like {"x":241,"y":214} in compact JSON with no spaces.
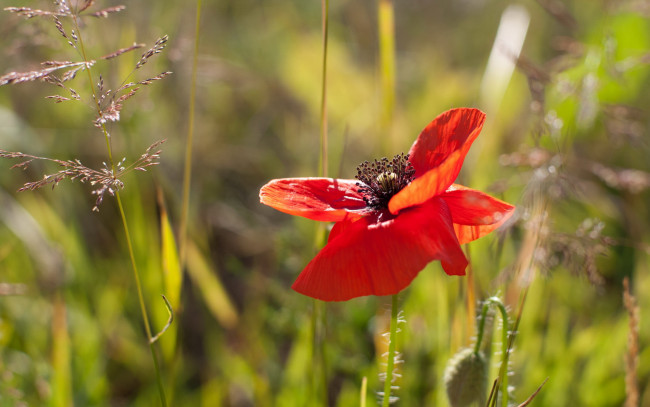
{"x":383,"y":178}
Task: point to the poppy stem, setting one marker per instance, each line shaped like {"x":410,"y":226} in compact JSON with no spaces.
{"x":319,"y":380}
{"x":390,"y":359}
{"x":506,"y":343}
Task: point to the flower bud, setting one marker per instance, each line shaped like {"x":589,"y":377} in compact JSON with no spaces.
{"x":466,"y":378}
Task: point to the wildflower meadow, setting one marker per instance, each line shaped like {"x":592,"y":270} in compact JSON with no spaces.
{"x":335,"y":203}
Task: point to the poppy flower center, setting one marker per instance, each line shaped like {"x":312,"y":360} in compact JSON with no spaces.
{"x":383,"y":178}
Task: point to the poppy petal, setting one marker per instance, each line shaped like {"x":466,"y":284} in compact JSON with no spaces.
{"x":471,"y":207}
{"x":368,"y":257}
{"x":322,"y":199}
{"x":340,"y":227}
{"x":438,"y":154}
{"x":451,"y":131}
{"x":432,"y":183}
{"x":475,"y":213}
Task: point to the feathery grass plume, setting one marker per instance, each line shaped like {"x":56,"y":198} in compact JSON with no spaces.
{"x":632,"y":355}
{"x":49,"y":67}
{"x":156,"y":49}
{"x":122,"y":51}
{"x":105,"y":179}
{"x":109,"y":103}
{"x":105,"y":12}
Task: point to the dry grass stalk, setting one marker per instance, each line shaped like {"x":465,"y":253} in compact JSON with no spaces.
{"x":28,"y":12}
{"x":86,"y":5}
{"x":106,"y":179}
{"x":12,"y":289}
{"x":156,"y":49}
{"x":122,"y":51}
{"x":105,"y":12}
{"x":532,"y":396}
{"x":632,"y":355}
{"x":50,"y":67}
{"x":64,"y":10}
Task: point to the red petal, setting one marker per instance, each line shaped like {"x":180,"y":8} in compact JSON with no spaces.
{"x":429,"y":185}
{"x":323,"y":199}
{"x":367,"y":257}
{"x":438,"y":154}
{"x":453,"y":130}
{"x":475,"y":213}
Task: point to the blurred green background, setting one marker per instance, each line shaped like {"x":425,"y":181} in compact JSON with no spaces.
{"x":566,"y":140}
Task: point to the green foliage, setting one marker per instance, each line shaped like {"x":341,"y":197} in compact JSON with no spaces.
{"x":70,"y":328}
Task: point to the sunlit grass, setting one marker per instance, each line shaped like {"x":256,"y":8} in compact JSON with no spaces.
{"x":241,"y":336}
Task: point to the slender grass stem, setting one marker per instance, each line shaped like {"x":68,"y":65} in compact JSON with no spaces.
{"x":386,"y":25}
{"x":390,"y":359}
{"x":318,"y":317}
{"x":143,"y":307}
{"x":323,"y":108}
{"x":129,"y":243}
{"x":82,"y":51}
{"x":187,"y":172}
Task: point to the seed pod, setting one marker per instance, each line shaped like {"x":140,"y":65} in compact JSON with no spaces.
{"x":466,"y":378}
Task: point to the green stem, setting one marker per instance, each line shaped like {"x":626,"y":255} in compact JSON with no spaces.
{"x":136,"y":275}
{"x":386,"y":24}
{"x":481,"y":326}
{"x":323,"y":107}
{"x":187,"y":173}
{"x":390,"y":361}
{"x":505,"y":354}
{"x":143,"y":308}
{"x":318,"y":317}
{"x":505,"y":343}
{"x":319,"y":373}
{"x":82,"y":51}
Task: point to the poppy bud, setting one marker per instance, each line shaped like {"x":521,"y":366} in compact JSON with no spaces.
{"x":466,"y":378}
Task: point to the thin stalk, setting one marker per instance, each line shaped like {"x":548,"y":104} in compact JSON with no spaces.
{"x":505,"y":353}
{"x":187,"y":172}
{"x":143,"y":307}
{"x":481,"y":326}
{"x":390,"y":361}
{"x":323,"y":107}
{"x":386,"y":25}
{"x":319,"y":374}
{"x":322,"y":357}
{"x":136,"y":275}
{"x":82,"y":50}
{"x":506,"y":341}
{"x":471,"y":294}
{"x":313,"y":385}
{"x":318,"y":317}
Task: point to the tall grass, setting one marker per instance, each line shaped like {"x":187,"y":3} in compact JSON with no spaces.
{"x":567,"y":143}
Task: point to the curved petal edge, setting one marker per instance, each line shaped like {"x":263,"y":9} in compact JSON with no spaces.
{"x":321,"y":199}
{"x":368,"y":257}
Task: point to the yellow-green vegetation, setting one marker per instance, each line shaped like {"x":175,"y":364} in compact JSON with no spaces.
{"x":566,"y":141}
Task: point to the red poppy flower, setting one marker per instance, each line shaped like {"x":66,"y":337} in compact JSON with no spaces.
{"x":398,"y":215}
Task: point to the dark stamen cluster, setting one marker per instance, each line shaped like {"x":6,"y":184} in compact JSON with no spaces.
{"x":383,"y":178}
